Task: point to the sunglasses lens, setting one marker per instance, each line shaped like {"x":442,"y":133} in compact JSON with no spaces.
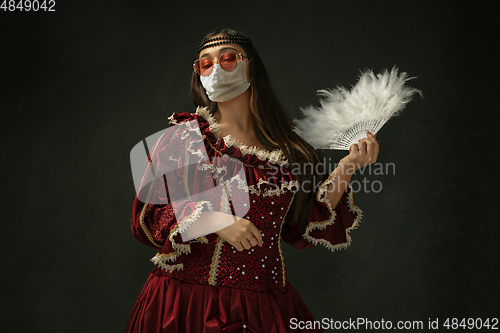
{"x":204,"y":66}
{"x":228,"y":61}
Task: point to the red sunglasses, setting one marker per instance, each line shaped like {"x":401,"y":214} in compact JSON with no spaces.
{"x":227,"y":61}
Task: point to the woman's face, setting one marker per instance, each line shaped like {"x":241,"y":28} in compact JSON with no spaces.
{"x":214,"y":52}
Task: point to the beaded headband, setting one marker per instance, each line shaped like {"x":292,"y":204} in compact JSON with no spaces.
{"x":222,"y":40}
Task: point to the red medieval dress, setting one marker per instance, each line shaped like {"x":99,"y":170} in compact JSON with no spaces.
{"x":204,"y":285}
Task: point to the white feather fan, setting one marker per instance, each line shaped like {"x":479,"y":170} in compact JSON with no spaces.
{"x":344,"y":116}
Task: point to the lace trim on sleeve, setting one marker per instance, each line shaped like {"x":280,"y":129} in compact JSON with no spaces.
{"x":187,"y":221}
{"x":161,"y":259}
{"x":321,"y":225}
{"x":150,"y":192}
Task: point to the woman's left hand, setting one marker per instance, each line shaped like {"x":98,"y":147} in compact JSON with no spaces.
{"x":361,"y":154}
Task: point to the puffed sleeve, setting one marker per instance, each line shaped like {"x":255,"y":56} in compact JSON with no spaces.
{"x":326,"y":225}
{"x":173,"y":194}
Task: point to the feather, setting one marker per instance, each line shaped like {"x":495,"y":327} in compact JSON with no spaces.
{"x":344,"y":116}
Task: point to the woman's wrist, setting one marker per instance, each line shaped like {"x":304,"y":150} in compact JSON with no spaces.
{"x":345,"y":168}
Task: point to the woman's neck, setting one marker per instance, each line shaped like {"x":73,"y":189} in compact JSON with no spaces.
{"x":235,"y":113}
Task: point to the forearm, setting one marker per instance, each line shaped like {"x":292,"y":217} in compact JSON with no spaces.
{"x":341,"y":177}
{"x":360,"y":155}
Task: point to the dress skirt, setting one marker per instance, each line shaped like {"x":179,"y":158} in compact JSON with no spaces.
{"x":168,"y":305}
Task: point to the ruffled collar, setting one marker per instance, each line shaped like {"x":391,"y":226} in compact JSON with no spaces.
{"x":228,"y":142}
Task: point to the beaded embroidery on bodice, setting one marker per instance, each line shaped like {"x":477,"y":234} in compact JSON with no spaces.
{"x":215,"y":262}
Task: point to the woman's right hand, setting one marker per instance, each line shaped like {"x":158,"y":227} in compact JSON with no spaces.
{"x":238,"y":234}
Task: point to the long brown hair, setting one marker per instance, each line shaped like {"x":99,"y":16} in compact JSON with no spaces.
{"x":273,"y":127}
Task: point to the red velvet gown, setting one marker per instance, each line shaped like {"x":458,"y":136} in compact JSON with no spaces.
{"x":204,"y":285}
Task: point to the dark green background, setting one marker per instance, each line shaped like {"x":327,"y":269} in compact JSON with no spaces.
{"x":82,"y":85}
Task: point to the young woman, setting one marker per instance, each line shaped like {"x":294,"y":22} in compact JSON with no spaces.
{"x":218,"y":270}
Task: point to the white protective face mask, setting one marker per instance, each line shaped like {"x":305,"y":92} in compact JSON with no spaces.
{"x":222,"y":85}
